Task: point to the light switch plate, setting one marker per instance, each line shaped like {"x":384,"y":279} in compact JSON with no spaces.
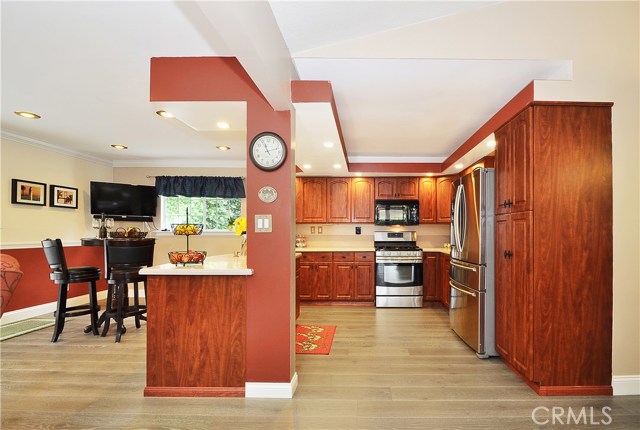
{"x":263,"y":223}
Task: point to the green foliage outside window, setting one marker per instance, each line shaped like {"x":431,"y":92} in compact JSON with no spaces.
{"x":214,"y":213}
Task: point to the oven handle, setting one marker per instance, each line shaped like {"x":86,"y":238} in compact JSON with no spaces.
{"x":462,"y":291}
{"x":473,"y":269}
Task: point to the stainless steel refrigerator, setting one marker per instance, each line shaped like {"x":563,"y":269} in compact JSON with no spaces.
{"x":471,"y":276}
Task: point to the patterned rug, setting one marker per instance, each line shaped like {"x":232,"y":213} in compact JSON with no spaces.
{"x":7,"y":331}
{"x":314,"y":339}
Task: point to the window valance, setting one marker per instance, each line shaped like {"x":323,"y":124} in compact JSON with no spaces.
{"x":200,"y":186}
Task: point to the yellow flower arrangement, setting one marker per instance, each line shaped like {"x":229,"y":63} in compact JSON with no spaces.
{"x":240,"y":225}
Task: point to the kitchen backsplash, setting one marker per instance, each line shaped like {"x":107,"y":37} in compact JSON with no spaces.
{"x":343,"y":235}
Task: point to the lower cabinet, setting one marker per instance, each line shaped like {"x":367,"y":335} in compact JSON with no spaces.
{"x":297,"y":287}
{"x":431,"y":276}
{"x":337,"y":276}
{"x":445,"y":289}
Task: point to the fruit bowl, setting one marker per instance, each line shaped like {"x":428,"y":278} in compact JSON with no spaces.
{"x":186,"y":229}
{"x":130,"y":233}
{"x":187,"y":257}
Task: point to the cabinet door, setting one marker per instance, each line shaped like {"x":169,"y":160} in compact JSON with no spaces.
{"x":297,"y":287}
{"x":444,"y":188}
{"x":307,"y":281}
{"x":522,"y":284}
{"x":406,"y":188}
{"x":385,"y":188}
{"x":521,"y":162}
{"x":323,"y":280}
{"x":364,"y":282}
{"x":430,"y":268}
{"x":339,"y":200}
{"x":362,"y":198}
{"x":343,"y":281}
{"x":503,"y":288}
{"x":298,"y":200}
{"x":503,"y":168}
{"x":445,"y":291}
{"x":427,"y":197}
{"x":313,"y":207}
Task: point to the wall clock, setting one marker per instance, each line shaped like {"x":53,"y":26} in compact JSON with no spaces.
{"x":267,"y":194}
{"x":267,"y":151}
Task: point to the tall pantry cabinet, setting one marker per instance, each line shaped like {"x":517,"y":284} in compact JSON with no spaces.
{"x":554,"y":247}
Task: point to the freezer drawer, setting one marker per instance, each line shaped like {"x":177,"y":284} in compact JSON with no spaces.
{"x":468,"y":275}
{"x":466,"y":316}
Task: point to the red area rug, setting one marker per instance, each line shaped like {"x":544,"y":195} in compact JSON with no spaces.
{"x":314,"y":339}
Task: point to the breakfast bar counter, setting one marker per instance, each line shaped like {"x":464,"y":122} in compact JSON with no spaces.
{"x":196,"y":328}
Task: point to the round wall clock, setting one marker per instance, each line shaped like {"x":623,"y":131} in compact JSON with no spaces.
{"x":267,"y":151}
{"x":267,"y":194}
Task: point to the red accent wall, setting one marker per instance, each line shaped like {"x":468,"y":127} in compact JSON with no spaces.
{"x":35,"y":288}
{"x":270,"y":255}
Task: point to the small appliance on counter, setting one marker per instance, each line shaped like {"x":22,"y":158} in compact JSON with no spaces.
{"x":398,"y":268}
{"x":471,"y":277}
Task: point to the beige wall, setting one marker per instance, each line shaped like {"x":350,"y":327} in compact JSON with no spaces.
{"x":23,"y":225}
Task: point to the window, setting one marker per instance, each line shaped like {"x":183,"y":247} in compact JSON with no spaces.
{"x":214,"y":213}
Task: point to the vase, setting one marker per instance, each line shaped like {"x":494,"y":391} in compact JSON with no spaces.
{"x":243,"y":245}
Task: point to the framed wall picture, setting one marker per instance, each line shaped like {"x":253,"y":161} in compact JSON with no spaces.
{"x":63,"y":197}
{"x":28,"y":192}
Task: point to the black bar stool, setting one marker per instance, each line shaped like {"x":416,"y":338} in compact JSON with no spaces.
{"x":123,"y":260}
{"x":63,"y":276}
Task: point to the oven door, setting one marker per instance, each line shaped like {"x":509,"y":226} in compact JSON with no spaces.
{"x":398,"y":275}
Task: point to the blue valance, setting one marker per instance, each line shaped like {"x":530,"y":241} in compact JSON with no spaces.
{"x":200,"y":186}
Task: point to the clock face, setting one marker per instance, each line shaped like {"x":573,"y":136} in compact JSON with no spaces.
{"x":267,"y":151}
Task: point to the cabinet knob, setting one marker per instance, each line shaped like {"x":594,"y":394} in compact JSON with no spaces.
{"x":508,"y":254}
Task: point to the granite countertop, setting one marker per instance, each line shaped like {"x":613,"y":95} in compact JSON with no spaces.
{"x":361,"y":249}
{"x":221,"y":265}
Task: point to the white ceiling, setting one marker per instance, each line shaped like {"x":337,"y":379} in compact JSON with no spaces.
{"x":84,"y":67}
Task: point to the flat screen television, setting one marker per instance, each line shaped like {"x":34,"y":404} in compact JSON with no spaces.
{"x":123,"y":201}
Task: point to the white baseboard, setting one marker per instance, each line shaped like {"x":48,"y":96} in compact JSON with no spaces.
{"x":626,"y":385}
{"x":47,"y":308}
{"x":271,"y":390}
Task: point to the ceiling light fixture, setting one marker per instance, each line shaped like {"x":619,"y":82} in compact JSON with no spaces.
{"x":223,"y":148}
{"x":165,"y":114}
{"x":306,"y":166}
{"x":337,"y":166}
{"x":328,"y":144}
{"x":358,"y":174}
{"x":459,"y":166}
{"x":491,"y":144}
{"x":122,"y":147}
{"x":429,"y":174}
{"x":223,"y":125}
{"x":27,"y":115}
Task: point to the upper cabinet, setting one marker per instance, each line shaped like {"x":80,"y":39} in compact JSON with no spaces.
{"x":362,"y":198}
{"x":444,"y":190}
{"x":338,"y":199}
{"x":313,"y":199}
{"x":427,"y":188}
{"x":396,"y":188}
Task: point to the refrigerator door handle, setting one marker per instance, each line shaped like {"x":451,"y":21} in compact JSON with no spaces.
{"x":462,"y":291}
{"x":473,"y":269}
{"x":456,"y":217}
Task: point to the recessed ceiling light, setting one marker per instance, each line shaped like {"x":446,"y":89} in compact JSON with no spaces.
{"x":337,"y":166}
{"x":27,"y":115}
{"x":165,"y":114}
{"x":491,"y":143}
{"x":459,"y":166}
{"x":358,"y":174}
{"x":328,"y":144}
{"x":429,"y":174}
{"x":306,"y":166}
{"x":223,"y":125}
{"x":119,"y":147}
{"x":223,"y":148}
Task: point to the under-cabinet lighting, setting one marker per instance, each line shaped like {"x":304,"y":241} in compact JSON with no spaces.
{"x":27,"y":115}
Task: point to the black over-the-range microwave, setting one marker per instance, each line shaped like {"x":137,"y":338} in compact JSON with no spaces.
{"x":396,"y":212}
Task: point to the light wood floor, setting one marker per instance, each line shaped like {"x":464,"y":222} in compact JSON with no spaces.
{"x":388,"y":369}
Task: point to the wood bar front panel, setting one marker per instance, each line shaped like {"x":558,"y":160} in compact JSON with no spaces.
{"x":196,"y":335}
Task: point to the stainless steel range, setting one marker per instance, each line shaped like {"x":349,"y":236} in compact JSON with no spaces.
{"x":398,"y":270}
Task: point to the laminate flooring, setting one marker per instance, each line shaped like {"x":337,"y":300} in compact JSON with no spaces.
{"x":388,"y":369}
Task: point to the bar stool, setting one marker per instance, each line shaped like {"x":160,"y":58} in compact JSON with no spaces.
{"x":63,"y":276}
{"x":123,"y":260}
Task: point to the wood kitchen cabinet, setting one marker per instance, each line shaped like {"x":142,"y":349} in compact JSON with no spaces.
{"x":427,"y":197}
{"x":339,"y":200}
{"x":362,"y":199}
{"x":553,"y":261}
{"x":445,"y":289}
{"x":396,"y":188}
{"x":431,"y":278}
{"x":352,"y":276}
{"x":297,"y":287}
{"x":444,"y":190}
{"x":312,"y":205}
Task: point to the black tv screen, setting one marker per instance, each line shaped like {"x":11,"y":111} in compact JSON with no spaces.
{"x":123,"y":201}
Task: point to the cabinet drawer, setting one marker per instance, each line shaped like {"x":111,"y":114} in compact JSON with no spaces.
{"x":364,"y":256}
{"x":316,"y":256}
{"x":343,"y":256}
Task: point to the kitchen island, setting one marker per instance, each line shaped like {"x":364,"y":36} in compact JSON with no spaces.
{"x":196,"y":328}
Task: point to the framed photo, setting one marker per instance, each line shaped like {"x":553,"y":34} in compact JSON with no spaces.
{"x":28,"y":192}
{"x":63,"y":197}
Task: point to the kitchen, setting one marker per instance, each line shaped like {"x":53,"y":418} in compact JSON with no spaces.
{"x":590,"y":88}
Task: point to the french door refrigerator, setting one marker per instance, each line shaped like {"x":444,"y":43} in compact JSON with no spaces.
{"x":471,"y":276}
